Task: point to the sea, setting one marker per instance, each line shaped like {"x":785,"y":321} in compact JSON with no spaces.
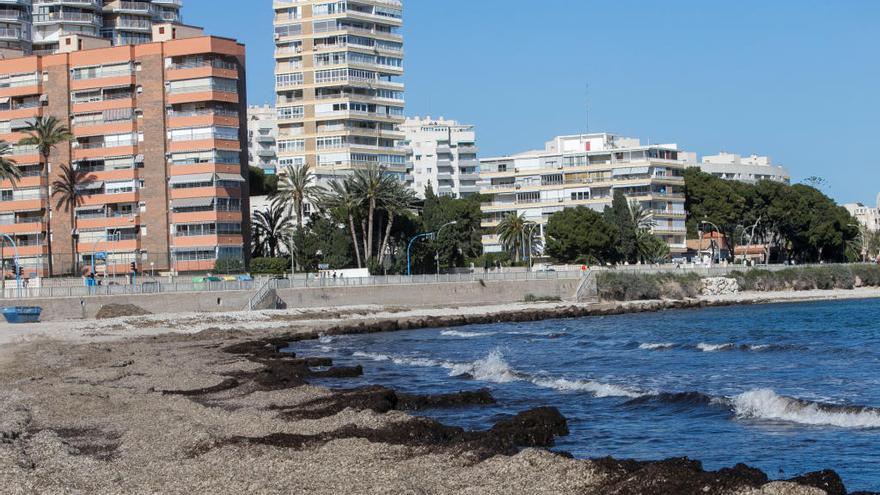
{"x":787,"y":388}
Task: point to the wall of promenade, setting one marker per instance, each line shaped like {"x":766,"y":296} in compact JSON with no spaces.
{"x":412,"y":294}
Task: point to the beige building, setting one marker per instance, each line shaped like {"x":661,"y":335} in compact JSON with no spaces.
{"x":586,"y":170}
{"x":867,"y":216}
{"x":339,"y":101}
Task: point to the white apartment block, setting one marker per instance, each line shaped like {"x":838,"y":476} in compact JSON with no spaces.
{"x":339,"y":100}
{"x":586,"y":170}
{"x":867,"y":216}
{"x":39,"y":25}
{"x":262,"y":136}
{"x":750,"y":169}
{"x":443,"y":155}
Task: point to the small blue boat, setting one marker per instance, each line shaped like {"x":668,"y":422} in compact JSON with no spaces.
{"x":22,"y":314}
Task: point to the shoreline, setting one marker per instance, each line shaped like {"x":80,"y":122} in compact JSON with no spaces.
{"x":341,"y":319}
{"x":209,"y":404}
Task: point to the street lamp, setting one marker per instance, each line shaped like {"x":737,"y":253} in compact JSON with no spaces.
{"x":529,"y":232}
{"x":420,"y":236}
{"x":706,"y":222}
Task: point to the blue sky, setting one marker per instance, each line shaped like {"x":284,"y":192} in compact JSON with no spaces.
{"x":798,"y":80}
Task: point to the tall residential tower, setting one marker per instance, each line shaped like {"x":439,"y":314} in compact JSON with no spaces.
{"x":38,"y":25}
{"x":338,"y":99}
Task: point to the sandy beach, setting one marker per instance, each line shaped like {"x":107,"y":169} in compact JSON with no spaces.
{"x":195,"y":403}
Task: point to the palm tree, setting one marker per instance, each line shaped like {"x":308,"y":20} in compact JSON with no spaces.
{"x":374,"y":187}
{"x":647,"y":247}
{"x":399,"y":200}
{"x":343,"y":199}
{"x":273,"y":225}
{"x":512,"y":231}
{"x":8,"y":168}
{"x":46,"y":133}
{"x":296,"y":185}
{"x":67,"y":188}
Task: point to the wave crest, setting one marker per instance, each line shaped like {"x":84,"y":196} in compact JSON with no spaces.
{"x":768,"y":405}
{"x":465,"y":335}
{"x":598,"y":389}
{"x":492,"y":368}
{"x":650,"y":346}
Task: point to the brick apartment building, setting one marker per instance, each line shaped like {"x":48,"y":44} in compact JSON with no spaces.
{"x":160,"y":129}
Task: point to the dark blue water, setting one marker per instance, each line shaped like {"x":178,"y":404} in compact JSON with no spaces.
{"x":785,"y":388}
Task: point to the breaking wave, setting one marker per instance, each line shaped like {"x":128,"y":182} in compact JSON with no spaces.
{"x":465,"y":335}
{"x":598,"y":389}
{"x":649,"y":346}
{"x":715,"y":347}
{"x":768,"y":405}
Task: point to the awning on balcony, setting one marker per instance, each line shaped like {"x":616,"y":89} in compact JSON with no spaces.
{"x":4,"y":100}
{"x":192,"y":203}
{"x":631,"y":171}
{"x":44,"y":98}
{"x":230,"y":177}
{"x":90,"y":186}
{"x":191,"y":179}
{"x":80,"y":209}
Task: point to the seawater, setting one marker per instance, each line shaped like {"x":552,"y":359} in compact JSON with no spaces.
{"x":786,"y":388}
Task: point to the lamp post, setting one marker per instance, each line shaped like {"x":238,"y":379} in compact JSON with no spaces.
{"x":751,"y":237}
{"x":706,"y":222}
{"x":420,"y":236}
{"x":529,"y":232}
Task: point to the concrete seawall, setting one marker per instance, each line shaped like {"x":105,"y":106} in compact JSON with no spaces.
{"x":411,"y":295}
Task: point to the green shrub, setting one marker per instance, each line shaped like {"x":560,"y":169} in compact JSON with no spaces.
{"x":531,"y":298}
{"x":623,"y":286}
{"x":270,"y":266}
{"x":810,"y":278}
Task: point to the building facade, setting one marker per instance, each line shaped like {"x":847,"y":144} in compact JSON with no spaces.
{"x":443,"y":155}
{"x":262,"y":137}
{"x":160,"y":138}
{"x":750,"y":169}
{"x":586,"y":170}
{"x":38,"y":25}
{"x":867,"y":216}
{"x":338,"y":97}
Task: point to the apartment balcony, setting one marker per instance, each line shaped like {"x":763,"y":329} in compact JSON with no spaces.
{"x":35,"y":203}
{"x":105,"y":199}
{"x":101,"y":105}
{"x":468,"y":188}
{"x":467,"y":149}
{"x":22,"y":112}
{"x":101,"y":129}
{"x":207,"y":94}
{"x":181,"y":120}
{"x":99,"y":150}
{"x":444,"y":177}
{"x":64,"y":17}
{"x":125,"y":243}
{"x":669,"y":214}
{"x":468,"y":177}
{"x":205,"y":192}
{"x":207,"y":217}
{"x":26,"y":226}
{"x":197,"y":70}
{"x":205,"y":168}
{"x":24,"y":183}
{"x":108,"y":221}
{"x":116,"y":79}
{"x":206,"y":240}
{"x":127,"y":7}
{"x":204,"y":144}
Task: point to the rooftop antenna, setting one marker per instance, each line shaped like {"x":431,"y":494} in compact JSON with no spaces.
{"x":588,"y":106}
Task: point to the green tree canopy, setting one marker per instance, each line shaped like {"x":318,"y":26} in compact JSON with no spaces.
{"x":577,"y":235}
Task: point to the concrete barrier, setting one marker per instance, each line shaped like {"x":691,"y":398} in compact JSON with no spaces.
{"x":421,"y":295}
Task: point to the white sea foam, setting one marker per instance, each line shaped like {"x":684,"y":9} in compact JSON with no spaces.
{"x":404,"y":360}
{"x":715,"y":347}
{"x":465,"y":335}
{"x":758,"y":347}
{"x":649,"y":346}
{"x":325,"y":339}
{"x":598,"y":389}
{"x":492,"y":368}
{"x":767,"y":404}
